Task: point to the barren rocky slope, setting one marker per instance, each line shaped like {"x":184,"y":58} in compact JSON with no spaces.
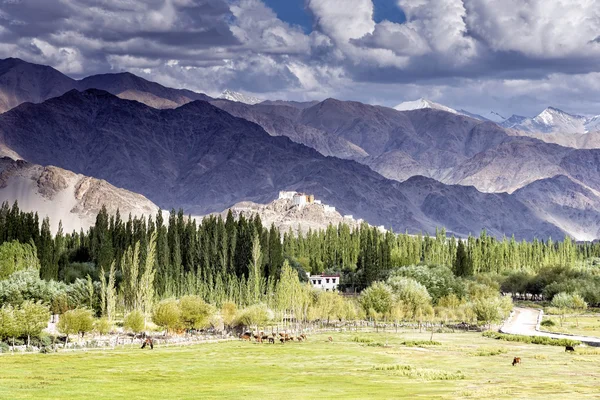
{"x":65,"y":196}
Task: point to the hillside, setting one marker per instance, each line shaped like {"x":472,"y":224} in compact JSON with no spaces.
{"x":64,"y":196}
{"x":205,"y":160}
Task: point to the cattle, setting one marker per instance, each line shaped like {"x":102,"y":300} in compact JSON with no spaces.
{"x":299,"y":338}
{"x":330,"y":339}
{"x":265,"y":337}
{"x":569,"y":348}
{"x":282,"y":340}
{"x":246,"y":336}
{"x":303,"y":336}
{"x":516,"y":360}
{"x":272,"y":340}
{"x":149,"y":342}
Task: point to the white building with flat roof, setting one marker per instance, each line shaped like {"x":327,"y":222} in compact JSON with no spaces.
{"x":329,"y":283}
{"x":286,"y":195}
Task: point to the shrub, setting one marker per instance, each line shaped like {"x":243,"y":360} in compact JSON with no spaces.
{"x":134,"y":321}
{"x":102,"y":326}
{"x":423,"y":373}
{"x":548,"y":322}
{"x":195,"y":313}
{"x":359,"y":339}
{"x":531,"y":339}
{"x":489,"y":352}
{"x":167,"y":314}
{"x":75,"y":321}
{"x":419,"y":343}
{"x":4,"y":347}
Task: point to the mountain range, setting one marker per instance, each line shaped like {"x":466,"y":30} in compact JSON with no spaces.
{"x":409,"y":170}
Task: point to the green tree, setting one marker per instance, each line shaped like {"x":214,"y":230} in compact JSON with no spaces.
{"x":228,"y":313}
{"x":195,"y":313}
{"x":167,"y":314}
{"x":78,"y":321}
{"x":135,"y":321}
{"x":412,"y":294}
{"x":377,"y":299}
{"x":32,"y":318}
{"x":15,"y":256}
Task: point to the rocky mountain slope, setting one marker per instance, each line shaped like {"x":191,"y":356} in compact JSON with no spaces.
{"x":562,"y":202}
{"x":285,"y":215}
{"x":22,"y":82}
{"x":64,"y":196}
{"x":203,"y":159}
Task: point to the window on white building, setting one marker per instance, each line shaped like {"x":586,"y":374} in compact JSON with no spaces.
{"x":333,"y":280}
{"x":319,"y":281}
{"x":327,"y":280}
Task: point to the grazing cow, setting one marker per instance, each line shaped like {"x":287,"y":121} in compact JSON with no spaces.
{"x":246,"y":336}
{"x":272,"y":340}
{"x":149,"y":342}
{"x":299,"y":338}
{"x":282,"y":340}
{"x":330,"y":339}
{"x":516,"y":360}
{"x":569,"y":348}
{"x":265,"y":337}
{"x":303,"y":336}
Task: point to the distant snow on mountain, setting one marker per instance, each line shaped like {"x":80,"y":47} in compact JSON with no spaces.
{"x":239,"y":97}
{"x":423,"y":103}
{"x":554,"y":120}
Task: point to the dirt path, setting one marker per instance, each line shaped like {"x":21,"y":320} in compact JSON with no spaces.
{"x":524,"y":322}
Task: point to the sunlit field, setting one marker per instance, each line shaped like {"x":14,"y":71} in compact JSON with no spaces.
{"x":585,"y":325}
{"x":361,"y":365}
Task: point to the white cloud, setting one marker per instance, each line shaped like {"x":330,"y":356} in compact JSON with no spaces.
{"x":537,"y":28}
{"x":504,"y":55}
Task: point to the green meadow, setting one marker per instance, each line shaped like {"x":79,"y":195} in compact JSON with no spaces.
{"x":355,"y":365}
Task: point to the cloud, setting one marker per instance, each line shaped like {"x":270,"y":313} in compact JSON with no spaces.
{"x":467,"y":53}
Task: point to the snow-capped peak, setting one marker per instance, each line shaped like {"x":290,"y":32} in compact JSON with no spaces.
{"x":239,"y":97}
{"x":423,"y":103}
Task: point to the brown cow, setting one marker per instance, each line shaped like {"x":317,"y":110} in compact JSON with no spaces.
{"x":516,"y":360}
{"x":245,"y":336}
{"x":149,"y":342}
{"x":303,"y":336}
{"x":330,"y":339}
{"x":299,"y":338}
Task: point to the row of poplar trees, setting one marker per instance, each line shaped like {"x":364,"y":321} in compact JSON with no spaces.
{"x":191,"y":258}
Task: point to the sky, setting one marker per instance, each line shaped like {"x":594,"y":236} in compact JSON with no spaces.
{"x":507,"y":56}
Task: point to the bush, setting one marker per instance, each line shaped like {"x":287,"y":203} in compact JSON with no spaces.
{"x":419,"y":343}
{"x":134,"y":321}
{"x":422,"y":373}
{"x":359,"y":339}
{"x":489,"y":352}
{"x":4,"y":347}
{"x":167,"y":314}
{"x":548,"y":322}
{"x":102,"y":326}
{"x":531,"y":339}
{"x":257,"y":314}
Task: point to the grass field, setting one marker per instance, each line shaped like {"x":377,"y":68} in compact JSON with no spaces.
{"x":589,"y":325}
{"x":472,"y":366}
